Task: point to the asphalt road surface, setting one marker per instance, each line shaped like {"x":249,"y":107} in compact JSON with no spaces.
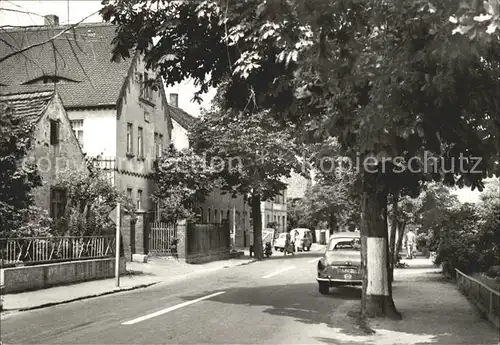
{"x":275,"y":301}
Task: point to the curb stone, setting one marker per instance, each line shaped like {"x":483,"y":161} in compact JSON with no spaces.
{"x":242,"y":264}
{"x":51,"y":304}
{"x":142,"y":286}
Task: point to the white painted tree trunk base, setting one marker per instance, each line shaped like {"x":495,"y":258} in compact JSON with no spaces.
{"x":379,"y":301}
{"x":376,"y":266}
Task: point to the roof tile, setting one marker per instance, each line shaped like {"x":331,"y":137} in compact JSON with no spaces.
{"x":82,"y":56}
{"x":29,"y":106}
{"x":184,"y":119}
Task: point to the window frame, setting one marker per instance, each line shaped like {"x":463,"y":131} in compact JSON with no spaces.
{"x":55,"y":128}
{"x":140,"y":142}
{"x":155,"y":144}
{"x":58,"y":199}
{"x":140,"y":194}
{"x":160,"y":144}
{"x":78,"y":130}
{"x":130,"y":138}
{"x":146,"y":90}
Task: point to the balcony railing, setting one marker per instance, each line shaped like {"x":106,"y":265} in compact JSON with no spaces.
{"x":39,"y":250}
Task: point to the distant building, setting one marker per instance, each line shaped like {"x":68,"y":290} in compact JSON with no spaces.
{"x":274,"y":211}
{"x":54,"y":146}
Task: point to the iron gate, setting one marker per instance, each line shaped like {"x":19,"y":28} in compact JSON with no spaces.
{"x":161,"y":239}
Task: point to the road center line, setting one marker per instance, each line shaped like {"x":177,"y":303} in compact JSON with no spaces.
{"x":278,"y":272}
{"x":168,"y":310}
{"x":313,"y":260}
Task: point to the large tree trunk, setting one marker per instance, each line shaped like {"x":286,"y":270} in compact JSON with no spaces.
{"x":257,"y":226}
{"x":376,"y":299}
{"x":401,"y":234}
{"x":394,"y":227}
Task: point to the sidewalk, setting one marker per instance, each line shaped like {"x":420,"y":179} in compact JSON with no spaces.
{"x":140,"y":275}
{"x":434,"y":311}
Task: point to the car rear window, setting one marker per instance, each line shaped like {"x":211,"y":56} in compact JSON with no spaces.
{"x":345,"y":244}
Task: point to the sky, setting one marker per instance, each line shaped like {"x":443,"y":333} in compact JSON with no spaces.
{"x":73,"y":11}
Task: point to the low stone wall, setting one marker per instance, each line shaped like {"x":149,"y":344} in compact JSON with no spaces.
{"x":208,"y":257}
{"x":27,"y":278}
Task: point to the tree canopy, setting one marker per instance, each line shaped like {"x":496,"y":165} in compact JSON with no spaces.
{"x":183,"y":179}
{"x":397,"y":78}
{"x":90,"y":197}
{"x":18,"y":176}
{"x":248,"y":155}
{"x":388,"y":80}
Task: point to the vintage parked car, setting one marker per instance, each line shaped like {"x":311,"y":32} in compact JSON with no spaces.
{"x":268,"y":235}
{"x":341,"y":264}
{"x":279,"y":243}
{"x":302,"y":238}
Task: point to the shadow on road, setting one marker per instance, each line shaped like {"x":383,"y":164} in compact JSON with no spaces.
{"x":329,"y":313}
{"x":301,"y":302}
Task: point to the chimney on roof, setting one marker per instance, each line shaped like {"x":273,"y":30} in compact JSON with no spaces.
{"x":174,"y":100}
{"x":51,"y":20}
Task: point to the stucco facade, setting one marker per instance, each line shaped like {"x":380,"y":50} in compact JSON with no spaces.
{"x":54,"y":146}
{"x":98,"y":128}
{"x":113,"y":135}
{"x":179,"y":136}
{"x":275,"y":211}
{"x":149,"y":116}
{"x":218,"y":207}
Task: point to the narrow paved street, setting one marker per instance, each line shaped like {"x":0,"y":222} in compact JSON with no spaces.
{"x":274,"y":301}
{"x":270,"y":302}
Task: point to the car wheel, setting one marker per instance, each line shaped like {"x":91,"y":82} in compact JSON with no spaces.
{"x":275,"y":249}
{"x":324,"y":288}
{"x":282,"y":249}
{"x":309,"y":248}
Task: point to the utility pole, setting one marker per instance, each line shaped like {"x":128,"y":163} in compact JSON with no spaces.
{"x":117,"y":248}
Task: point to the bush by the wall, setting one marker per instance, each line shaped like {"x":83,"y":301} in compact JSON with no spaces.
{"x":467,"y":238}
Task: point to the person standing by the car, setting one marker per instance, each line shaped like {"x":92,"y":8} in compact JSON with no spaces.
{"x":410,"y":243}
{"x":288,"y":244}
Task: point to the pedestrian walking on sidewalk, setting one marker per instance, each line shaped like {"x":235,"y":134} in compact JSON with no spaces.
{"x":288,"y":245}
{"x":410,"y":241}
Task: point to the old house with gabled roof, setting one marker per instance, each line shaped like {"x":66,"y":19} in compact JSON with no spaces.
{"x":54,"y":147}
{"x":114,"y":113}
